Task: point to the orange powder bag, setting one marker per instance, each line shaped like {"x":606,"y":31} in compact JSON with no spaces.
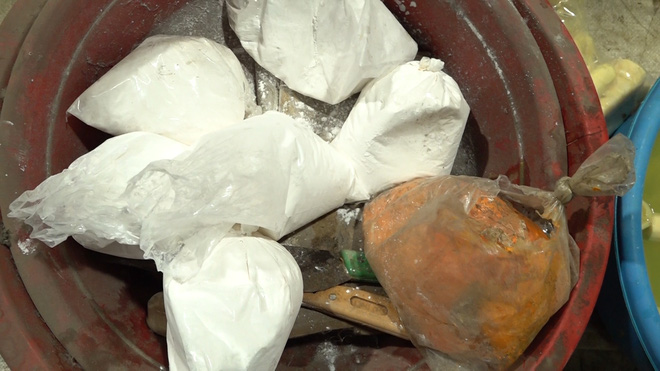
{"x":476,"y":267}
{"x":474,"y":279}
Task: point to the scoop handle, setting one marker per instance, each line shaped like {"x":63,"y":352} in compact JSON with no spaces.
{"x":359,"y":306}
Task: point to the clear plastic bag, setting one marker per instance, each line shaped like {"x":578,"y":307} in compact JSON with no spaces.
{"x":181,"y":87}
{"x":405,"y":124}
{"x":236,"y":313}
{"x":300,"y":42}
{"x":476,"y":267}
{"x":84,"y":201}
{"x":620,"y":83}
{"x":472,"y":278}
{"x":610,"y":170}
{"x":269,"y":172}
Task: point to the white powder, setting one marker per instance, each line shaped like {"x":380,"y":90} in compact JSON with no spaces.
{"x":300,"y":42}
{"x":405,"y":124}
{"x":267,"y":89}
{"x":324,"y":119}
{"x":181,"y":87}
{"x":237,"y":312}
{"x":84,"y":201}
{"x":348,"y":215}
{"x":27,"y":246}
{"x":329,"y":353}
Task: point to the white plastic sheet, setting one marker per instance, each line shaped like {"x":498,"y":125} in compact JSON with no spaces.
{"x":269,"y":172}
{"x":236,"y":313}
{"x":84,"y":200}
{"x":178,"y":86}
{"x":326,"y":50}
{"x":405,"y":124}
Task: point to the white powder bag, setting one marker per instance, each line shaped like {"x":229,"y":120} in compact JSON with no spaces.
{"x":181,"y":87}
{"x":269,"y":172}
{"x":326,"y":50}
{"x":84,"y":200}
{"x":405,"y":124}
{"x":236,"y":313}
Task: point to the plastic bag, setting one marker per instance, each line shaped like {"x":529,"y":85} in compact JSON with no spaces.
{"x":84,"y":200}
{"x":269,"y":172}
{"x":300,"y":42}
{"x":181,"y":87}
{"x":474,"y":280}
{"x":476,"y":267}
{"x":237,"y":312}
{"x":610,"y":170}
{"x":405,"y":124}
{"x":620,"y":83}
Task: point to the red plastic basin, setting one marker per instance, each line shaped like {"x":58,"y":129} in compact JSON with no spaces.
{"x":535,"y":116}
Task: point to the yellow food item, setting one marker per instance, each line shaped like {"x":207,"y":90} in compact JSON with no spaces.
{"x":603,"y":75}
{"x":585,"y":44}
{"x":620,"y":84}
{"x":624,"y":94}
{"x":650,"y":223}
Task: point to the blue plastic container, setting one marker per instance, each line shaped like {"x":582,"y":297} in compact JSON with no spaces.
{"x":626,"y":302}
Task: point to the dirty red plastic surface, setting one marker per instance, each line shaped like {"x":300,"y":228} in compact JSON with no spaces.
{"x":590,"y":220}
{"x":96,"y":312}
{"x":489,"y":51}
{"x":27,"y":343}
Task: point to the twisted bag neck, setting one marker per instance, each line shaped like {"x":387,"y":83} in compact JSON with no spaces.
{"x":563,"y":190}
{"x":608,"y":171}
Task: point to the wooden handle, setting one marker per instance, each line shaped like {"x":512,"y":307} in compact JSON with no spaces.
{"x":365,"y":308}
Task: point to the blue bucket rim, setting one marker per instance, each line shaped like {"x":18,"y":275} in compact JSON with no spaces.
{"x":629,"y":249}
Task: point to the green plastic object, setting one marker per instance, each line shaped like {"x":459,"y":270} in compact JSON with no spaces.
{"x":357,"y":266}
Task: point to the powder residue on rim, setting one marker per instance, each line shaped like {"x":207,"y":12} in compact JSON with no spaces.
{"x":27,"y":246}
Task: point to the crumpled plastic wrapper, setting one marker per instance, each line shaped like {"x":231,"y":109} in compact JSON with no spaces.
{"x":608,"y":171}
{"x":236,"y":313}
{"x":301,"y":43}
{"x":84,"y":200}
{"x":476,"y":267}
{"x":405,"y":124}
{"x":269,"y":173}
{"x":181,"y":87}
